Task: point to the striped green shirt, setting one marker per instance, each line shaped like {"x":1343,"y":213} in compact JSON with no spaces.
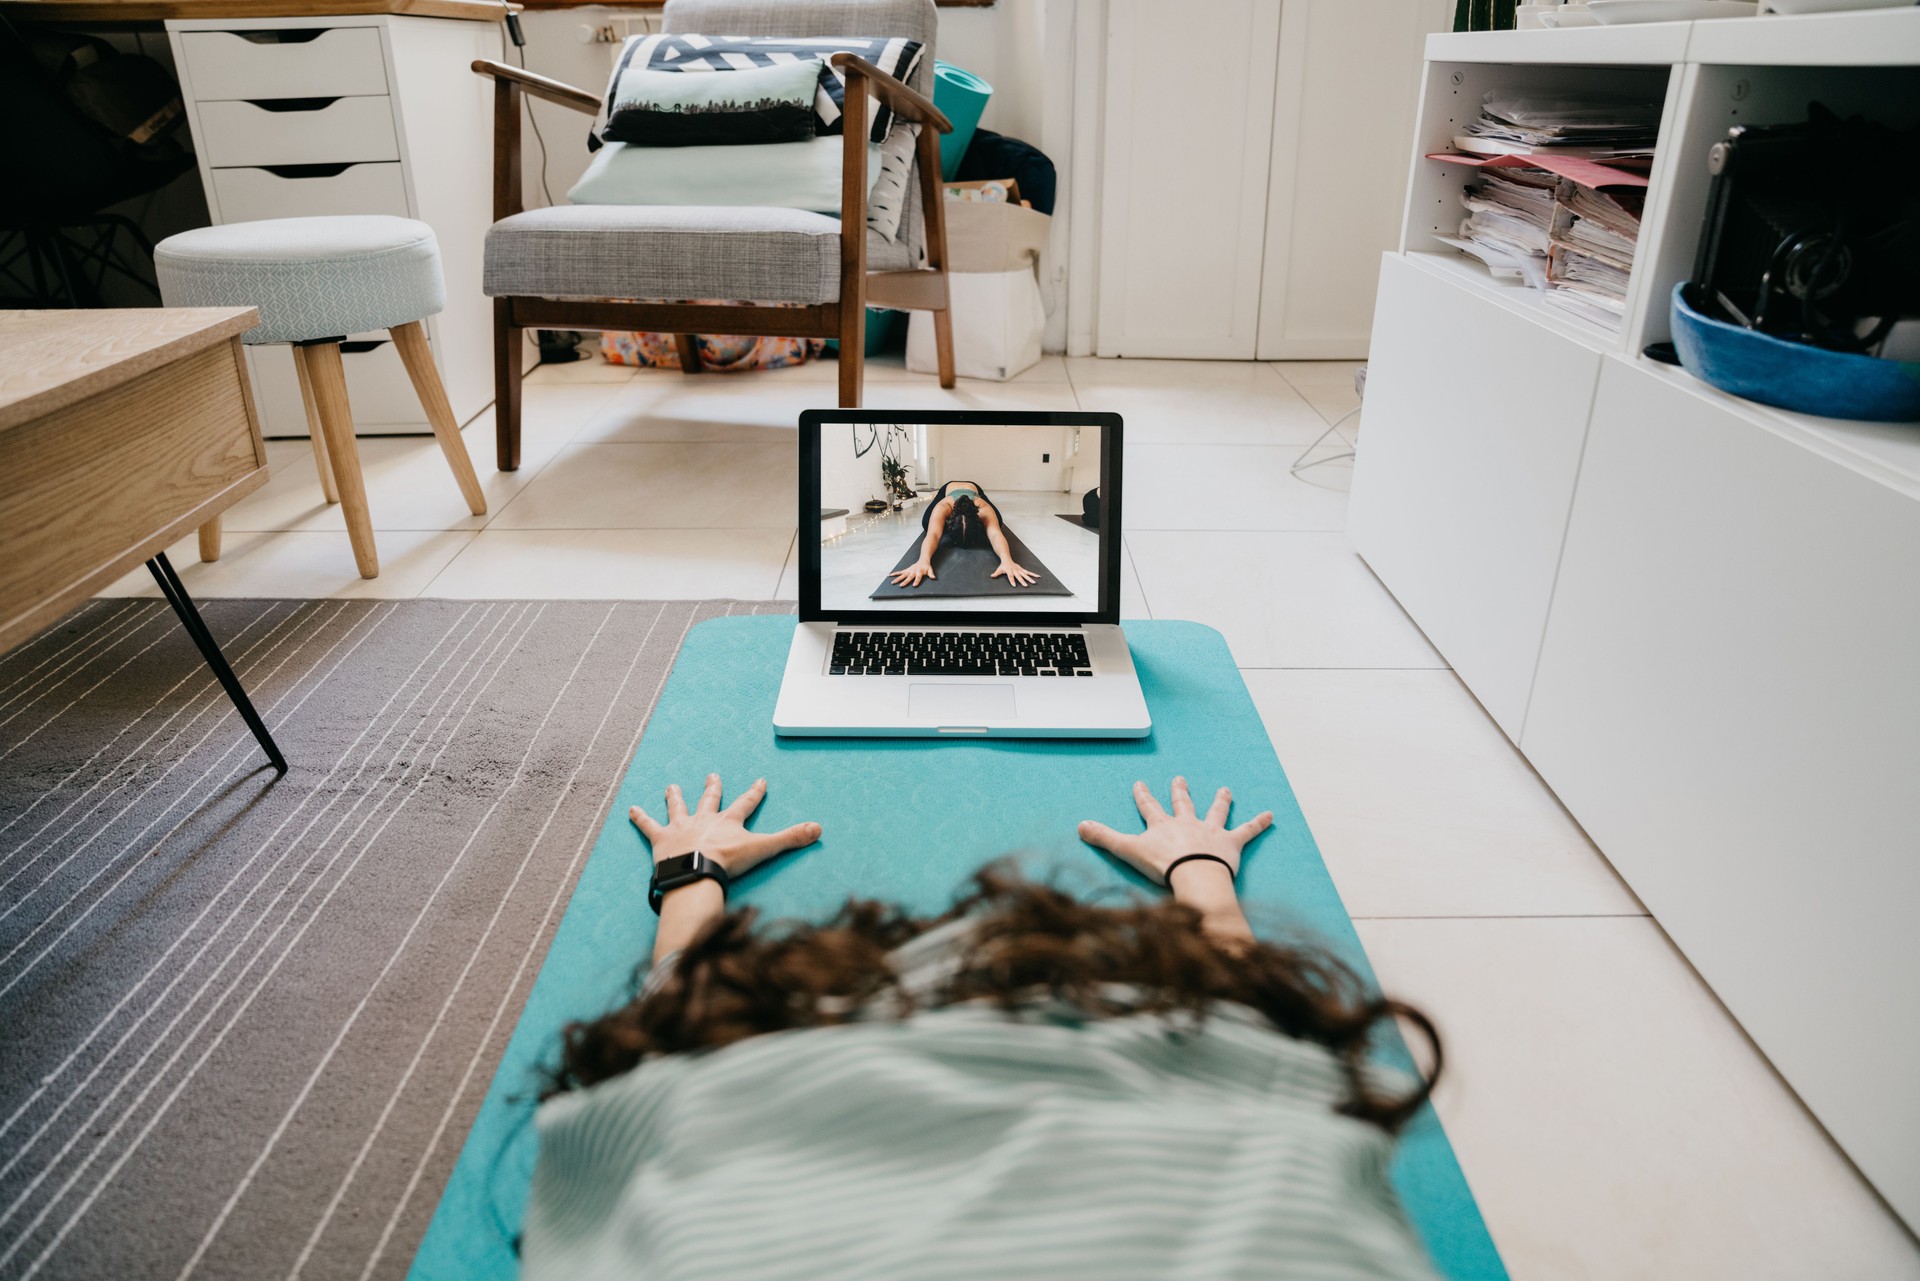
{"x":964,"y":1142}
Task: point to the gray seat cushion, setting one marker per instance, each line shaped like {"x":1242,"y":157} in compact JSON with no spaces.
{"x":673,"y":252}
{"x":310,"y":277}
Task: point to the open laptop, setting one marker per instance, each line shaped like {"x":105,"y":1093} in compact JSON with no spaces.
{"x":987,"y":603}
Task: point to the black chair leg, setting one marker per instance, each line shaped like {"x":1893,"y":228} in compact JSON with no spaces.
{"x":176,"y":593}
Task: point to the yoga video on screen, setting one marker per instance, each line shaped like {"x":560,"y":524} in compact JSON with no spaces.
{"x":986,"y":517}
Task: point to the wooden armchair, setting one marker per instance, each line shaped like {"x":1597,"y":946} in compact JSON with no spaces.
{"x":563,"y":267}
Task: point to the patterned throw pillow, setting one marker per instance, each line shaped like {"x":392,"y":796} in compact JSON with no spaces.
{"x":773,"y":103}
{"x":896,"y":55}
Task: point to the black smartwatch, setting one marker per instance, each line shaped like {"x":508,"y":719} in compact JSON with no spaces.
{"x":684,"y":869}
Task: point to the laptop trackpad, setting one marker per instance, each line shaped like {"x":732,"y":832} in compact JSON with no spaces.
{"x":960,"y":705}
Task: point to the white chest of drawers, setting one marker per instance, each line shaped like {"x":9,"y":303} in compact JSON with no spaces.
{"x":372,"y":113}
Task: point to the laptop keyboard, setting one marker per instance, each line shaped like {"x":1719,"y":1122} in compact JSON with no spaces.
{"x":994,"y":653}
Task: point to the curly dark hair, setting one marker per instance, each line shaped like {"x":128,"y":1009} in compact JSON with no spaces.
{"x":1031,"y":942}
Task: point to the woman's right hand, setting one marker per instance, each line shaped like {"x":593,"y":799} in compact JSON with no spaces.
{"x":912,"y":574}
{"x":1170,"y":836}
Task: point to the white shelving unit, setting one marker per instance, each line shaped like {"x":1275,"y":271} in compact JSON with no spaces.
{"x":1697,"y":616}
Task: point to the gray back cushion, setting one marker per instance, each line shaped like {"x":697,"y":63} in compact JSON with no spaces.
{"x":914,"y":19}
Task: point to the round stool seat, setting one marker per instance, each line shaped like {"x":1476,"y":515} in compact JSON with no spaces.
{"x":310,"y":277}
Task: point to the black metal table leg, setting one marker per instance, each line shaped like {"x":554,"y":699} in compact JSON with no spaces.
{"x":176,"y":593}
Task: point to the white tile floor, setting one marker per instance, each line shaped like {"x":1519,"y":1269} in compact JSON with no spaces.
{"x":1613,"y":1120}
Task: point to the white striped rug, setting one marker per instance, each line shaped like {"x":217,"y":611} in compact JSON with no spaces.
{"x":244,"y":1024}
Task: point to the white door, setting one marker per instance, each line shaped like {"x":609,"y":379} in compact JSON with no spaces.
{"x":1346,"y":94}
{"x":1188,"y":125}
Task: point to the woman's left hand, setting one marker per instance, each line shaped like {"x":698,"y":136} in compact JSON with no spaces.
{"x":1017,"y":575}
{"x":720,"y":834}
{"x":1170,"y":837}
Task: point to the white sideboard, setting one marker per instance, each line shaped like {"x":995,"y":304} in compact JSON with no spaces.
{"x":1698,"y":617}
{"x":369,"y":114}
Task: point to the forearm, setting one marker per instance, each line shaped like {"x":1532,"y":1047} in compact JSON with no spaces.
{"x":929,"y":543}
{"x":998,"y":541}
{"x":1207,"y":888}
{"x":684,"y":913}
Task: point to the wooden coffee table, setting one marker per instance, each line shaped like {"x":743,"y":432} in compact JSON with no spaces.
{"x":120,"y":432}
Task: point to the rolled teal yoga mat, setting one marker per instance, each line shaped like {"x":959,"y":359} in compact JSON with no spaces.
{"x":879,"y":801}
{"x":962,"y":98}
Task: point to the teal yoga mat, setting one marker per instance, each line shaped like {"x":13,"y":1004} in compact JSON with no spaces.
{"x":875,"y":798}
{"x":962,"y":98}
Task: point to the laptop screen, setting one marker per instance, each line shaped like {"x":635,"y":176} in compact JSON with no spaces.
{"x":959,"y":517}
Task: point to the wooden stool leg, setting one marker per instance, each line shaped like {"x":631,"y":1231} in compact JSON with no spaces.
{"x":411,"y":340}
{"x":321,"y":463}
{"x":329,"y":379}
{"x":210,"y":540}
{"x":689,"y":351}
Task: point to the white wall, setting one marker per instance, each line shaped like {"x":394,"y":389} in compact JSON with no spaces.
{"x":1003,"y":45}
{"x":847,"y":481}
{"x":1010,"y":458}
{"x":554,"y":49}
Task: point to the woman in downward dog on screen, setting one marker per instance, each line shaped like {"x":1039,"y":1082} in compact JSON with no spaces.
{"x":962,"y":515}
{"x":1031,"y":1085}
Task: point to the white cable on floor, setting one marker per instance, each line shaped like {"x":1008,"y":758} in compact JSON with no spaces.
{"x":1301,"y":464}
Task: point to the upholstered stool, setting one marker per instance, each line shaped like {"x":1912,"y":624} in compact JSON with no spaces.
{"x":316,"y":280}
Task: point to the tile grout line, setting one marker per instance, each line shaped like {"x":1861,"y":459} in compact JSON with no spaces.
{"x":1245,"y":667}
{"x":793,"y":546}
{"x":1510,"y":916}
{"x":1137,"y":529}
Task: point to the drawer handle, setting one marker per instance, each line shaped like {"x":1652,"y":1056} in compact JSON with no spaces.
{"x":293,"y":104}
{"x":291,"y":35}
{"x":308,"y":171}
{"x":361,"y":346}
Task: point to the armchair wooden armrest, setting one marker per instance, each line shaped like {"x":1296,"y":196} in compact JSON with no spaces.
{"x":508,"y":84}
{"x":536,"y":86}
{"x":905,"y":102}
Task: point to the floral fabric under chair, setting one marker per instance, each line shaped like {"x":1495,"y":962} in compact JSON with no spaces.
{"x":721,"y":353}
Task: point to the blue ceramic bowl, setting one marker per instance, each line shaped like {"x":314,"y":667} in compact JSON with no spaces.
{"x":1791,"y":375}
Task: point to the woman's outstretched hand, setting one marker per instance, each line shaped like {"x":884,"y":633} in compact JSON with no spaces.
{"x":1016,"y":574}
{"x":720,"y":834}
{"x":1172,"y":836}
{"x":912,"y":574}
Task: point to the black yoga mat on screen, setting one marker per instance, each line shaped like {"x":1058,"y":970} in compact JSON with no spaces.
{"x":965,"y":571}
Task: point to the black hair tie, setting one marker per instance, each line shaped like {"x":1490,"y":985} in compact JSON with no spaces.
{"x":1167,"y":876}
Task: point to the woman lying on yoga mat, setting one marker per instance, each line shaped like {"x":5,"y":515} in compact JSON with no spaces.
{"x":963,"y":515}
{"x":1026,"y":1086}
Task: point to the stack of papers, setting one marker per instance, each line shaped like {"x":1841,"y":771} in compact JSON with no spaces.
{"x":1509,"y":223}
{"x":1573,"y":241}
{"x":1594,"y":236}
{"x":1569,"y":125}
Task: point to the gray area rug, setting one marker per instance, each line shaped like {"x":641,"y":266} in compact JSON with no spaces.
{"x":244,"y":1024}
